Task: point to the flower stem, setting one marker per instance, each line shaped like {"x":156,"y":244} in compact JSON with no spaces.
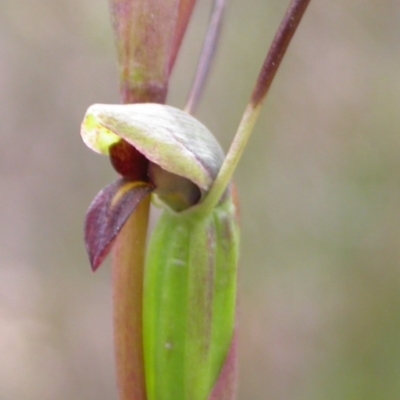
{"x":128,"y":259}
{"x":271,"y":64}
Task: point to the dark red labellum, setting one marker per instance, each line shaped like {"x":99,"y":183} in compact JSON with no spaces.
{"x":128,"y":161}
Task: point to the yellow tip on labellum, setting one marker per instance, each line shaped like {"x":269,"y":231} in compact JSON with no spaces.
{"x":124,"y":189}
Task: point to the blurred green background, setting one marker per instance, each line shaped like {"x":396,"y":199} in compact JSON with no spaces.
{"x":319,"y":186}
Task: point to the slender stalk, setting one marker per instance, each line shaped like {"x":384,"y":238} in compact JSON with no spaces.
{"x":128,"y":256}
{"x":207,"y":56}
{"x":271,"y":64}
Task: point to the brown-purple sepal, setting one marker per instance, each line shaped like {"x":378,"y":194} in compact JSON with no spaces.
{"x":108,"y":213}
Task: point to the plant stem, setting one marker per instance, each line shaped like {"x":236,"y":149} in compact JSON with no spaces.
{"x":207,"y":56}
{"x":128,"y":259}
{"x":271,"y":64}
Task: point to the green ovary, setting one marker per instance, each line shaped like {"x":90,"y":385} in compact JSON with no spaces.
{"x":189,"y":303}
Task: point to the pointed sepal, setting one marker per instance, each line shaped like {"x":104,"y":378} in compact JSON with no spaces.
{"x":107,"y":215}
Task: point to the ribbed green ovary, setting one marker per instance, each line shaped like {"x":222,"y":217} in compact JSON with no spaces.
{"x":189,"y":302}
